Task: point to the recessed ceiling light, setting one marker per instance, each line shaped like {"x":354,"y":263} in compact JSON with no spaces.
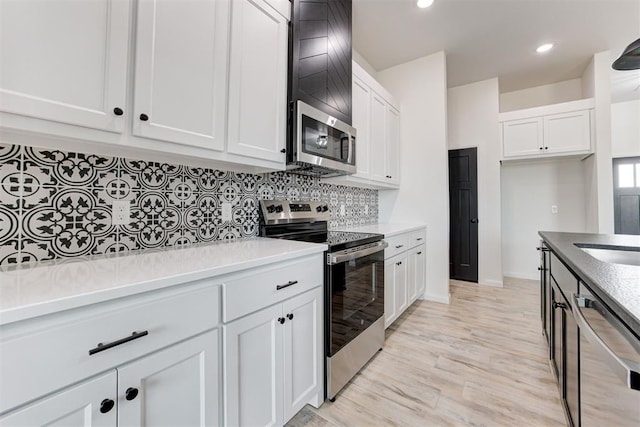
{"x":544,"y":48}
{"x":424,"y":3}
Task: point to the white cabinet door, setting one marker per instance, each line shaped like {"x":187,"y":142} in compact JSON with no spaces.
{"x":303,"y":348}
{"x":181,"y":71}
{"x":361,"y":120}
{"x":400,"y":280}
{"x":393,"y":146}
{"x":253,"y":385}
{"x":390,"y":312}
{"x":417,"y":273}
{"x":258,"y":81}
{"x":421,"y":269}
{"x":80,"y":405}
{"x":567,"y":132}
{"x":65,"y":61}
{"x":522,"y":137}
{"x":175,"y":386}
{"x":378,"y":138}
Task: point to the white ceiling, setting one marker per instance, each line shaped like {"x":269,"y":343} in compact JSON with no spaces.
{"x":497,"y":38}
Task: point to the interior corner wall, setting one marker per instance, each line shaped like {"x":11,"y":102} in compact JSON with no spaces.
{"x":529,"y":190}
{"x":625,"y":129}
{"x":472,"y":115}
{"x":421,"y":88}
{"x":568,"y":90}
{"x":602,"y":113}
{"x":364,"y":63}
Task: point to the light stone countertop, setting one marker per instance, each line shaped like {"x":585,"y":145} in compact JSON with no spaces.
{"x":53,"y":286}
{"x":388,"y":229}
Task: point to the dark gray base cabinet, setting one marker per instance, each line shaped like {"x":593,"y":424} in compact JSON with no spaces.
{"x":563,"y":341}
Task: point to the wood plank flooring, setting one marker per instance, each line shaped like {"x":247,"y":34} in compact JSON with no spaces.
{"x":480,"y":361}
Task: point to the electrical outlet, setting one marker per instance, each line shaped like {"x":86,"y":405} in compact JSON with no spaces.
{"x":554,"y":209}
{"x":120,"y":212}
{"x":366,"y":209}
{"x":226,"y":211}
{"x":343,"y":211}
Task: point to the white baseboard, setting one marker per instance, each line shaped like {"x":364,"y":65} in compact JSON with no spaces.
{"x":444,"y":299}
{"x":522,"y":276}
{"x":493,"y":283}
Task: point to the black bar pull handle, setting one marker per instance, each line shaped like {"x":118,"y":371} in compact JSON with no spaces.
{"x":399,"y":246}
{"x":289,"y":283}
{"x":102,"y":347}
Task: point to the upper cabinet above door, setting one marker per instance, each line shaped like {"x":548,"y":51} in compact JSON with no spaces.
{"x":181,"y":71}
{"x":65,"y":62}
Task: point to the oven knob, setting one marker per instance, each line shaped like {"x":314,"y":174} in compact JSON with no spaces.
{"x":271,"y":208}
{"x":279,"y":208}
{"x":318,"y":208}
{"x":325,"y":208}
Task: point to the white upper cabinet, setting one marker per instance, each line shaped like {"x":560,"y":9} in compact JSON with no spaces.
{"x":567,"y":132}
{"x":180,"y":71}
{"x":392,"y":145}
{"x":257,"y":81}
{"x":361,"y":110}
{"x":554,"y":130}
{"x":377,"y":138}
{"x":376,"y":118}
{"x":65,"y":61}
{"x":523,"y":137}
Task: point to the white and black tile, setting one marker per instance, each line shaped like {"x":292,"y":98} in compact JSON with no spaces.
{"x":56,"y":204}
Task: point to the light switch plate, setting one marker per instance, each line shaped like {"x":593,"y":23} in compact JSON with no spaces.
{"x":226,"y":211}
{"x":342,"y":210}
{"x":121,"y":212}
{"x":554,"y":209}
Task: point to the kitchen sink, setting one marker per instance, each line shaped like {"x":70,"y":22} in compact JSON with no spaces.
{"x":613,"y":254}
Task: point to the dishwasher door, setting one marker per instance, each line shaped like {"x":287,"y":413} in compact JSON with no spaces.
{"x":609,"y":366}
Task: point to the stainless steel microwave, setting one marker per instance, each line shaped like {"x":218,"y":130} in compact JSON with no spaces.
{"x":320,"y":144}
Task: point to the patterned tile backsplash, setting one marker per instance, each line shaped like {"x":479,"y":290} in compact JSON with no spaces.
{"x":56,"y":204}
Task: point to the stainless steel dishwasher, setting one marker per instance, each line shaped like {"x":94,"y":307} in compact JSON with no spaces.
{"x":609,"y":365}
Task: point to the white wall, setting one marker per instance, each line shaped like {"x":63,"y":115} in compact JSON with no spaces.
{"x":589,"y":167}
{"x":568,"y":90}
{"x":625,"y":129}
{"x":472,"y":115}
{"x":421,"y":88}
{"x":529,"y":189}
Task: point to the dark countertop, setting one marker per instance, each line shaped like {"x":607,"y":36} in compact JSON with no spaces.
{"x":617,"y":285}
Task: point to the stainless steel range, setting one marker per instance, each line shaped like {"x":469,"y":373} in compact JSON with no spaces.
{"x":353,"y":282}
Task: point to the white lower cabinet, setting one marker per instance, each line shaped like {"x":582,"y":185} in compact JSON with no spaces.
{"x":272,"y":361}
{"x":404,"y":272}
{"x":89,"y":404}
{"x":174,"y":386}
{"x":395,"y":287}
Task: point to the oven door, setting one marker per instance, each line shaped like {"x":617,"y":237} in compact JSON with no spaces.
{"x":354,"y":293}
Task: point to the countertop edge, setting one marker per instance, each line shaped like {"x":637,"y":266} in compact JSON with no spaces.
{"x":629,"y":318}
{"x":48,"y":307}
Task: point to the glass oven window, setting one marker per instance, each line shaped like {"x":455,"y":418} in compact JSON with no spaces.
{"x":325,"y":141}
{"x":357,"y":298}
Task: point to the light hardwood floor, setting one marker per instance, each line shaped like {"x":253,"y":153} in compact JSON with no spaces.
{"x":480,"y":361}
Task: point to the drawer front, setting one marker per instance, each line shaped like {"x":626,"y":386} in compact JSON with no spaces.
{"x":397,"y":245}
{"x":45,"y":354}
{"x":416,"y":238}
{"x":565,"y":280}
{"x":262,"y":287}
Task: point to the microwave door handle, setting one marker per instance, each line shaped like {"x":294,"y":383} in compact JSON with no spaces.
{"x":627,"y":370}
{"x":352,"y":144}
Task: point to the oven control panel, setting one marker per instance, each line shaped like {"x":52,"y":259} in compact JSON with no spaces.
{"x":284,"y":211}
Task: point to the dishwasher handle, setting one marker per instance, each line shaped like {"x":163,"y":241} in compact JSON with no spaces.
{"x":627,"y":370}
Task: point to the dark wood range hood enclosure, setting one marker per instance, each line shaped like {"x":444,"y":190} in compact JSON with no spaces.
{"x":320,"y":59}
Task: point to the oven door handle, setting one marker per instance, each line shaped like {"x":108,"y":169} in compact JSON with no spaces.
{"x":346,"y":255}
